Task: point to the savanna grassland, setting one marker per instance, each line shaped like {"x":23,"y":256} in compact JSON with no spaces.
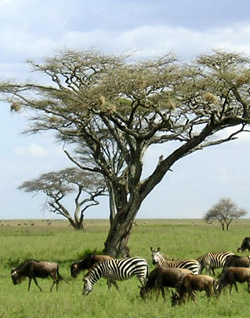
{"x":56,"y":241}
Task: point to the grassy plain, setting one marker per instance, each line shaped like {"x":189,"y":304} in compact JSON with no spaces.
{"x":56,"y":241}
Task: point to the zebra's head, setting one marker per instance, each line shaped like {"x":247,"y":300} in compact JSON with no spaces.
{"x":155,"y":255}
{"x":87,"y":286}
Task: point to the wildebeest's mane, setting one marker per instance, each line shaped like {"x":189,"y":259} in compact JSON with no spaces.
{"x":86,"y":257}
{"x":25,"y":262}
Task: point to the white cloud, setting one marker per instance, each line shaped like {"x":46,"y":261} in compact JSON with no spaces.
{"x":33,"y":150}
{"x":146,"y":40}
{"x":157,"y":39}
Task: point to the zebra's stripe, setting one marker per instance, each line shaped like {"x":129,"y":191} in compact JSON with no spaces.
{"x":116,"y":269}
{"x":191,"y":264}
{"x":213,"y":260}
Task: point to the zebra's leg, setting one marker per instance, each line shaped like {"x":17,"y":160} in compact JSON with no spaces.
{"x":142,"y":280}
{"x":207,"y":270}
{"x":110,"y":281}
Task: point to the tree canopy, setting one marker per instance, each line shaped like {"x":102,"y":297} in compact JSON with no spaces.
{"x":85,"y":186}
{"x":225,"y":211}
{"x":112,"y":109}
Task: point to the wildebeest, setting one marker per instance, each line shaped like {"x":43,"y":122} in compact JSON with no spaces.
{"x":231,"y":275}
{"x":191,"y":283}
{"x":162,"y":277}
{"x":245,"y":245}
{"x":36,"y":269}
{"x":237,"y":261}
{"x":87,"y":263}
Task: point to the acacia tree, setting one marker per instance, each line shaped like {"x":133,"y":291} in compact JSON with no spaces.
{"x":225,"y":211}
{"x":114,"y":109}
{"x":84,"y":185}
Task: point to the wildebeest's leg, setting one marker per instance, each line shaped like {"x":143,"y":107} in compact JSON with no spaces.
{"x":191,"y":295}
{"x":30,"y":279}
{"x":35,"y":283}
{"x":163,"y":292}
{"x":248,"y":284}
{"x":176,"y":299}
{"x":235,"y":285}
{"x":209,"y":292}
{"x":157,"y":291}
{"x":55,"y":281}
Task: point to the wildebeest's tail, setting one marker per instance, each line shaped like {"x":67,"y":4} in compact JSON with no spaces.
{"x":60,"y":276}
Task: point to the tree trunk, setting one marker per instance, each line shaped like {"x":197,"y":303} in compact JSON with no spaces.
{"x":222,"y":226}
{"x":76,"y":225}
{"x":116,"y":244}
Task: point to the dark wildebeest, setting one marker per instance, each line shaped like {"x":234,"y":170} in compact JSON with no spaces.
{"x":237,"y":261}
{"x":36,"y":269}
{"x":245,"y":245}
{"x":162,"y":277}
{"x":231,"y":275}
{"x":191,"y":283}
{"x":87,"y":263}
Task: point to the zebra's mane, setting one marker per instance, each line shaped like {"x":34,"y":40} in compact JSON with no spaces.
{"x":164,"y":255}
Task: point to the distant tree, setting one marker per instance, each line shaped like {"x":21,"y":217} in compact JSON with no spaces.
{"x":225,"y":211}
{"x":86,"y":186}
{"x":114,"y":110}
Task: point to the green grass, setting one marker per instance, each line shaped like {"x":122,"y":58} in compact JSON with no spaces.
{"x":56,"y":241}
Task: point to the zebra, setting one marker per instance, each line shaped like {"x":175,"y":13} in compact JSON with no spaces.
{"x":116,"y":269}
{"x":158,"y":259}
{"x":211,"y":261}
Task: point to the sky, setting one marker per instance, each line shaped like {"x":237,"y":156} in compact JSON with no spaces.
{"x":35,"y":29}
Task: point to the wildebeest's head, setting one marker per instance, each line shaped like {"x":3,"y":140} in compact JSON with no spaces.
{"x":245,"y":245}
{"x":74,"y":270}
{"x":222,"y":281}
{"x":16,"y":277}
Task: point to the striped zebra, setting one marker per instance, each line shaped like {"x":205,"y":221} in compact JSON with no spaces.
{"x":159,"y":259}
{"x":116,"y":269}
{"x":212,"y":261}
